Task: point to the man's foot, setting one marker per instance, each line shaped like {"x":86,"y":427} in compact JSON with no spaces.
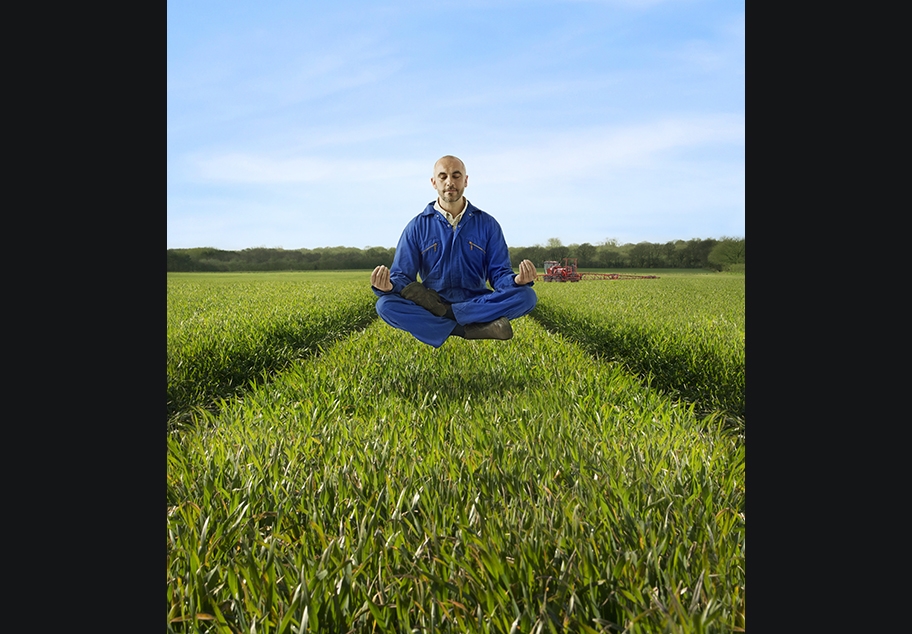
{"x":425,"y":297}
{"x":498,"y":329}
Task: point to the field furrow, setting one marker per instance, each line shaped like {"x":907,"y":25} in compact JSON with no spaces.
{"x":683,"y":334}
{"x":227,"y":332}
{"x":482,"y":487}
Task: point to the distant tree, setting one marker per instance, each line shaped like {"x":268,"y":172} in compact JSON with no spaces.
{"x":727,"y":255}
{"x":379,"y":255}
{"x":208,"y":253}
{"x":586,"y":254}
{"x":610,"y":256}
{"x":667,"y":255}
{"x":681,"y":256}
{"x":691,"y":254}
{"x":702,"y":249}
{"x":309,"y":259}
{"x":179,"y":261}
{"x":537,"y":254}
{"x":646,"y":255}
{"x":555,"y":250}
{"x":337,"y":258}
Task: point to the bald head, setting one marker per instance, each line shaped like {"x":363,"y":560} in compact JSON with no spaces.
{"x":450,"y":180}
{"x":448,"y":159}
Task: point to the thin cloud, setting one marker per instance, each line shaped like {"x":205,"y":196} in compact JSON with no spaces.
{"x":241,"y":168}
{"x":569,"y":155}
{"x":597,"y":149}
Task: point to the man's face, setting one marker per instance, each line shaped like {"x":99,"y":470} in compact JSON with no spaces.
{"x":449,"y":179}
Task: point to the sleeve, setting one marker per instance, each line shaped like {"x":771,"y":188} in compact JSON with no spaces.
{"x":404,"y":269}
{"x":500,"y":274}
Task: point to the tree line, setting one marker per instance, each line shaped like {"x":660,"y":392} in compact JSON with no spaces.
{"x":724,"y":254}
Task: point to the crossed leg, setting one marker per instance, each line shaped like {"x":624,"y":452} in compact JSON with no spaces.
{"x":428,"y":328}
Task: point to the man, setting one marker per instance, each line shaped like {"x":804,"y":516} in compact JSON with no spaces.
{"x":457,"y":249}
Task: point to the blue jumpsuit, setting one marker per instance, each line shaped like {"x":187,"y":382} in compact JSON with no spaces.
{"x":458,"y":264}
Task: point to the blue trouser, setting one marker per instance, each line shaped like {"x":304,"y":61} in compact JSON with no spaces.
{"x":425,"y":326}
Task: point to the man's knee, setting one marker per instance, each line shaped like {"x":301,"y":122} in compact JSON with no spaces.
{"x":528,"y":297}
{"x":395,"y":309}
{"x":531,"y":296}
{"x":384,"y":306}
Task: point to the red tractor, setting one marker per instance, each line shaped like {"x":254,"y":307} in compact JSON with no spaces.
{"x":568,"y":272}
{"x":565,"y":273}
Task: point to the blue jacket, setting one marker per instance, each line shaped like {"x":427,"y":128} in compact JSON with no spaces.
{"x":458,"y":263}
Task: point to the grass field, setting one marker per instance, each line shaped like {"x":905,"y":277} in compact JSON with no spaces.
{"x":346,"y":477}
{"x":684,"y":333}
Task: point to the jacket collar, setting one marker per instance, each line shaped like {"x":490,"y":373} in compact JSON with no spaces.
{"x":469,"y":210}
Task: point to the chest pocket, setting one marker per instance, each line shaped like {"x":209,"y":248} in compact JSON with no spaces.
{"x":430,"y":254}
{"x":476,"y":261}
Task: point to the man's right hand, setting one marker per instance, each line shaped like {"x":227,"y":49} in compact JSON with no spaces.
{"x":380,"y":279}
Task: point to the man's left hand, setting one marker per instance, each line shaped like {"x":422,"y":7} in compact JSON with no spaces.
{"x":527,"y":273}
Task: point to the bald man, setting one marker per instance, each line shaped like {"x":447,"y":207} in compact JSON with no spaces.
{"x":458,"y":250}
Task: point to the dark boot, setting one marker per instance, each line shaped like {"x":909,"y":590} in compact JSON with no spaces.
{"x":498,"y":329}
{"x":425,"y":297}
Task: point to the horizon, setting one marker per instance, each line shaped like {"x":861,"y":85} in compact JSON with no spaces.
{"x":543,"y":245}
{"x":299,"y":127}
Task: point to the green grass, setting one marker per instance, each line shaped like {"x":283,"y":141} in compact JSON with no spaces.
{"x":483,"y":487}
{"x":272,"y":276}
{"x":229,"y":330}
{"x":656,"y":272}
{"x":684,"y":334}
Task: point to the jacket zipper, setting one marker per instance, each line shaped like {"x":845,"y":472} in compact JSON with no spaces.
{"x":433,"y":246}
{"x":472,"y":245}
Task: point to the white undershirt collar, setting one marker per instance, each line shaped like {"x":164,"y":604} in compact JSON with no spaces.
{"x":453,"y":220}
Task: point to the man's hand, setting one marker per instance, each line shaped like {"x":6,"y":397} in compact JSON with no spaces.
{"x":380,"y":279}
{"x":527,"y":273}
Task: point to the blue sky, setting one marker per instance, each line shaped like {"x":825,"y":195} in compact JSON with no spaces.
{"x":311,"y":124}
